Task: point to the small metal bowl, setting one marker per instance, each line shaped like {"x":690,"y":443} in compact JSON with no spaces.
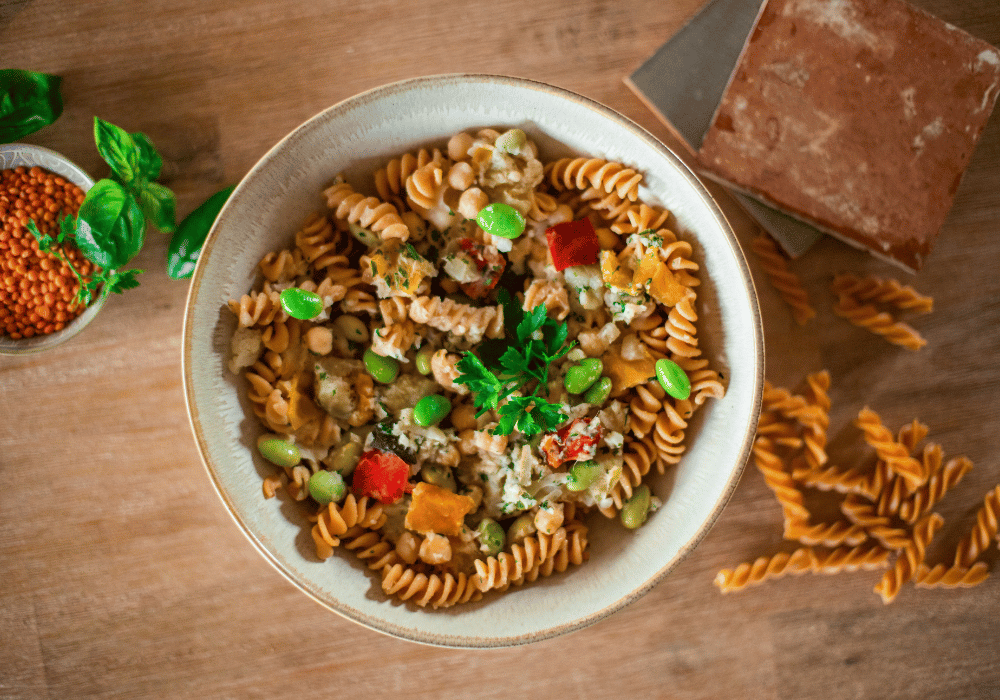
{"x":15,"y":155}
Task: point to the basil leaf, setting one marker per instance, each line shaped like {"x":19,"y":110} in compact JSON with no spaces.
{"x":112,"y":228}
{"x":158,"y":205}
{"x":149,"y":160}
{"x":186,"y":243}
{"x":28,"y":102}
{"x":118,"y":149}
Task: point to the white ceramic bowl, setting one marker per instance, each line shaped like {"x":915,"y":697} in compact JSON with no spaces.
{"x":360,"y":134}
{"x":15,"y":155}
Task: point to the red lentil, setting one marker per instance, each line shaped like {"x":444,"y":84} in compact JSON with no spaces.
{"x":36,"y":289}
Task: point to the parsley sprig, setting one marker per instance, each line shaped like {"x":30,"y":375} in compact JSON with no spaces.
{"x":537,"y":342}
{"x":110,"y":280}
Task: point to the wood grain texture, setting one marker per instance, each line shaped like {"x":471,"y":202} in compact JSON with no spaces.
{"x":123,"y":575}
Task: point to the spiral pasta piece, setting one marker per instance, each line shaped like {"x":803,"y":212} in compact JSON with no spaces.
{"x":895,"y":454}
{"x":985,"y":529}
{"x":943,"y":576}
{"x":524,"y":562}
{"x":878,"y":322}
{"x":608,"y":206}
{"x":910,"y":558}
{"x":461,"y":319}
{"x":359,"y":300}
{"x":835,"y":478}
{"x":940,"y":482}
{"x":370,"y":547}
{"x":779,"y":479}
{"x":863,"y":513}
{"x":639,"y":457}
{"x":832,"y":534}
{"x":258,"y":308}
{"x":394,"y":340}
{"x":802,"y":560}
{"x":867,"y":556}
{"x":335,"y":520}
{"x":585,"y":173}
{"x":575,"y":547}
{"x":438,"y":591}
{"x":638,"y":218}
{"x":283,"y":265}
{"x":786,"y":282}
{"x":549,"y":293}
{"x":668,"y":433}
{"x":320,"y":244}
{"x":370,"y":213}
{"x":682,"y":333}
{"x":885,"y":291}
{"x":644,"y":407}
{"x":390,"y":181}
{"x":425,"y":187}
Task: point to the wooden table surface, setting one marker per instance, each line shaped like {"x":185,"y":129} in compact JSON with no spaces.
{"x":121,"y":573}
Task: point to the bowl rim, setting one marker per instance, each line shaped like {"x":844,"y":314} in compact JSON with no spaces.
{"x":79,"y":177}
{"x":756,"y":324}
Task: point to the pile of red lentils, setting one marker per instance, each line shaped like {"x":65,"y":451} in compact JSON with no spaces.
{"x":37,"y":289}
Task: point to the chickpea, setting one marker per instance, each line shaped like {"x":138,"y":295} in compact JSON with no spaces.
{"x":435,"y":549}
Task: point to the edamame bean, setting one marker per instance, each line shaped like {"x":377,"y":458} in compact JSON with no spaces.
{"x":326,"y":487}
{"x":345,"y":458}
{"x":581,"y":377}
{"x":423,"y":360}
{"x":278,"y":450}
{"x":522,"y":526}
{"x":599,"y":392}
{"x":673,"y":379}
{"x":511,"y":141}
{"x":383,"y":369}
{"x":583,"y":474}
{"x":491,"y":536}
{"x":301,"y":303}
{"x":438,"y":476}
{"x":431,"y":410}
{"x":353,"y":328}
{"x":636,"y":509}
{"x":499,"y":219}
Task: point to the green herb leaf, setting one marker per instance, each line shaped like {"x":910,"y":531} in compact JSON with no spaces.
{"x":111,"y":228}
{"x":118,"y":149}
{"x":149,"y":161}
{"x":28,"y":102}
{"x":484,"y":385}
{"x":521,"y":364}
{"x":531,"y":322}
{"x":158,"y":205}
{"x":120,"y":281}
{"x":186,"y":243}
{"x":45,"y":241}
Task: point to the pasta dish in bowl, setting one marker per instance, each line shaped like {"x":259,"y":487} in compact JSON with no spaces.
{"x":494,"y":345}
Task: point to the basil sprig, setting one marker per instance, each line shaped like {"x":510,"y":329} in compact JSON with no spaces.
{"x":110,"y":228}
{"x":135,"y":165}
{"x":186,"y":243}
{"x":28,"y":102}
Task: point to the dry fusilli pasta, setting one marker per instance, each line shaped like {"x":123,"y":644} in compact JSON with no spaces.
{"x":786,"y":282}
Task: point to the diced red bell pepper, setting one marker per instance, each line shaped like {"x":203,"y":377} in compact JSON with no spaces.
{"x":490,"y":264}
{"x":573,"y":442}
{"x":381,"y":475}
{"x":573,"y":243}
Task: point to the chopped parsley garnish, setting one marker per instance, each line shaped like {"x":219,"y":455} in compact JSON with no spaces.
{"x":538,"y":342}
